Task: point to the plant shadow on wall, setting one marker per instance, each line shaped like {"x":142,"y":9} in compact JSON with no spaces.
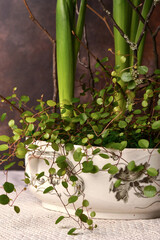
{"x":66,"y":142}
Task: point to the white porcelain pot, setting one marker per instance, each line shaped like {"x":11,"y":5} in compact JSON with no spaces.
{"x":124,"y":202}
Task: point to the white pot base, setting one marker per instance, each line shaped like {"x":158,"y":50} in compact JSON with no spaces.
{"x":96,"y":187}
{"x":106,"y":215}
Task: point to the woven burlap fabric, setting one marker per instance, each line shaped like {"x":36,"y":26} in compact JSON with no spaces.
{"x":36,"y":223}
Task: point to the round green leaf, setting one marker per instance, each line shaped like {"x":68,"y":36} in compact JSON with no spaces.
{"x":25,"y":98}
{"x":156,"y":125}
{"x":59,"y":219}
{"x":3,"y":147}
{"x":131,"y":85}
{"x":152,"y":172}
{"x":78,"y":212}
{"x":8,"y":187}
{"x":143,"y":143}
{"x":77,"y":155}
{"x":71,"y":231}
{"x":48,"y":189}
{"x":93,"y":214}
{"x":4,"y":138}
{"x":84,"y":140}
{"x":52,"y":171}
{"x":113,"y":170}
{"x":26,"y":180}
{"x":73,"y":178}
{"x":30,"y":119}
{"x":102,"y":155}
{"x":55,"y":146}
{"x":65,"y":184}
{"x":97,"y":150}
{"x":72,"y":199}
{"x":131,"y":165}
{"x":142,"y":69}
{"x":122,"y":124}
{"x":11,"y":123}
{"x":4,"y":199}
{"x":98,"y":141}
{"x":69,"y":146}
{"x":95,"y":115}
{"x":126,"y":77}
{"x":144,"y":103}
{"x":89,"y":222}
{"x":83,"y":218}
{"x":117,"y":183}
{"x":85,"y":203}
{"x":150,"y":191}
{"x":3,"y":117}
{"x":51,"y":103}
{"x":99,"y":101}
{"x":16,"y":209}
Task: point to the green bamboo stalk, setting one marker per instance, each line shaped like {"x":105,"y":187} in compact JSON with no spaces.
{"x":64,"y":49}
{"x":67,"y":47}
{"x":79,"y":28}
{"x":133,"y":29}
{"x":121,"y":13}
{"x":146,"y":7}
{"x":71,"y":4}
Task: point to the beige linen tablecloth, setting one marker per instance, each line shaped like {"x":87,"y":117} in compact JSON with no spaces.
{"x":36,"y":223}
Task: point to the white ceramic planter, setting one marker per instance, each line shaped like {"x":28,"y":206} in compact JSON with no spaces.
{"x":96,"y":187}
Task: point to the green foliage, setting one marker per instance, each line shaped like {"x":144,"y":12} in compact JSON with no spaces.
{"x":48,"y":189}
{"x":72,"y":231}
{"x":150,"y":191}
{"x":72,"y":199}
{"x":4,"y":199}
{"x":8,"y":187}
{"x":59,"y":219}
{"x":16,"y":209}
{"x":121,"y":112}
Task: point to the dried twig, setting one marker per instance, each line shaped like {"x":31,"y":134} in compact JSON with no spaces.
{"x":20,"y":110}
{"x":102,"y":18}
{"x":55,"y":93}
{"x":54,"y":74}
{"x":89,"y":60}
{"x":96,"y":58}
{"x":37,"y":23}
{"x":132,"y":45}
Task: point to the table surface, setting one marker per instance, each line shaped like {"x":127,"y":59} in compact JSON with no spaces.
{"x":36,"y":223}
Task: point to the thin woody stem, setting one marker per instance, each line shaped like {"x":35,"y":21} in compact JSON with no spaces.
{"x":154,"y":35}
{"x":145,"y":24}
{"x":20,"y":110}
{"x":96,"y":58}
{"x":131,"y":44}
{"x":37,"y":23}
{"x":102,"y":18}
{"x":54,"y":74}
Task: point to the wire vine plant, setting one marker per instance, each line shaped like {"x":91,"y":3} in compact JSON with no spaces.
{"x":123,"y":114}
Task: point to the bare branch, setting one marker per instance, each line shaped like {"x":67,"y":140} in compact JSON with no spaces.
{"x":132,"y":45}
{"x":96,"y":58}
{"x":37,"y":23}
{"x":145,"y":24}
{"x":20,"y":110}
{"x":102,"y":18}
{"x":54,"y":74}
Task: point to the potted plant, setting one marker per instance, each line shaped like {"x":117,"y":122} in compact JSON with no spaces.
{"x":98,"y":158}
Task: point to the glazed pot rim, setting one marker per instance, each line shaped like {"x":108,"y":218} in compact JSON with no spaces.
{"x":39,"y":142}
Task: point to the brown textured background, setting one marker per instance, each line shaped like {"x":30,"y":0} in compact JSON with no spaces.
{"x":26,"y":53}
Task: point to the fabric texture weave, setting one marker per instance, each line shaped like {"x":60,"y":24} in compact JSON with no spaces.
{"x":36,"y":223}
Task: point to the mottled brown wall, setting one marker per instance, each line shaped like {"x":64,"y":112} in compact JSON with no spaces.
{"x":26,"y":53}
